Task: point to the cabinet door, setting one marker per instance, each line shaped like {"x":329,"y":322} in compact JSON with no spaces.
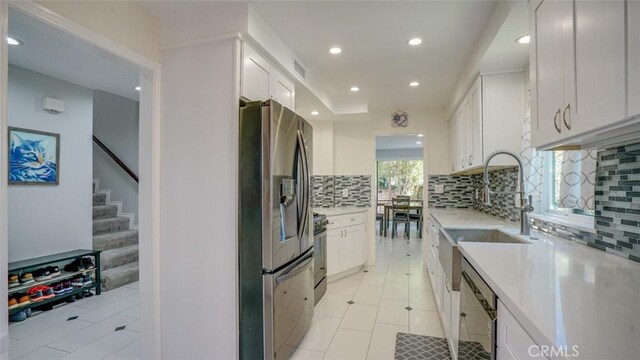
{"x":255,"y":75}
{"x":352,"y":247}
{"x":473,"y":127}
{"x":282,"y":93}
{"x":453,"y":144}
{"x":633,"y":46}
{"x":599,"y":95}
{"x":551,"y":20}
{"x":461,"y":131}
{"x":333,"y":251}
{"x":446,"y":306}
{"x":512,"y":341}
{"x":440,"y":289}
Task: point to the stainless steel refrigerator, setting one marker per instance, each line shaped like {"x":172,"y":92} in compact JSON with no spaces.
{"x":276,"y":283}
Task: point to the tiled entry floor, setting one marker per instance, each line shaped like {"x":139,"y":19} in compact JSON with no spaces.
{"x":367,"y":328}
{"x":52,"y":335}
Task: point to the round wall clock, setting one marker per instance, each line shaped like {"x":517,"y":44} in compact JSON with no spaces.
{"x":399,"y":119}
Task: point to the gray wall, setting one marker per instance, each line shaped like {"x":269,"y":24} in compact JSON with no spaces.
{"x":49,"y":219}
{"x":115,"y":123}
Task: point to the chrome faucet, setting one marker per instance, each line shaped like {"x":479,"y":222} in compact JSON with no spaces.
{"x":525,"y":206}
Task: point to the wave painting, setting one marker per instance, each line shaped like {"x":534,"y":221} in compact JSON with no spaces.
{"x":33,"y":157}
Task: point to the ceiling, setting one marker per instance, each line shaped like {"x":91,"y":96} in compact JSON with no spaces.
{"x":504,"y":52}
{"x":55,"y":53}
{"x":398,"y":142}
{"x":376,"y":57}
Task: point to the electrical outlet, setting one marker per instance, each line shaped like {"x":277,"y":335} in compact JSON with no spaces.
{"x":439,"y":189}
{"x":345,"y":192}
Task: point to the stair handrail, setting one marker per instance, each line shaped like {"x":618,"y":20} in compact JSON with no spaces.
{"x":116,"y":159}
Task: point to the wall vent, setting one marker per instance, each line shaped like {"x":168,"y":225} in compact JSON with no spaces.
{"x":299,"y":69}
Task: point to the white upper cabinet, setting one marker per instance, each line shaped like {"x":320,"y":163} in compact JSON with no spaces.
{"x":578,"y":68}
{"x":260,"y":80}
{"x":489,"y":118}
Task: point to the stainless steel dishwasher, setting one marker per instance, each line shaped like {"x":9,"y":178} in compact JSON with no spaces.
{"x":478,"y":304}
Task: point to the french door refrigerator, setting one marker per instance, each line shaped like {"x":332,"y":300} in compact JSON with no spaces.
{"x":276,"y":285}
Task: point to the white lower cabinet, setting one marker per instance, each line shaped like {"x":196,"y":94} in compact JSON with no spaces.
{"x":513,"y":342}
{"x":346,"y":239}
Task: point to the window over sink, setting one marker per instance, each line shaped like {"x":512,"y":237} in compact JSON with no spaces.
{"x":569,"y":180}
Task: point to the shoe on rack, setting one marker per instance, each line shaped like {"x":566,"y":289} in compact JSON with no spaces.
{"x":47,"y":292}
{"x":66,"y":285}
{"x":19,"y":316}
{"x":27,"y":279}
{"x":88,"y":263}
{"x":86,"y":281}
{"x":35,"y":294}
{"x":53,"y":270}
{"x":58,"y":288}
{"x":77,"y":281}
{"x":13,"y":302}
{"x":75,"y":266}
{"x":42,"y":275}
{"x":23,"y":299}
{"x":13,"y":281}
{"x":28,"y":312}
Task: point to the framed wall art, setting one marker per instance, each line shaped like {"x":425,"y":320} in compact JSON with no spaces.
{"x":34,"y":157}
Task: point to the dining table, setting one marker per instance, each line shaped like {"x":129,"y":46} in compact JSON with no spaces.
{"x":414,"y":205}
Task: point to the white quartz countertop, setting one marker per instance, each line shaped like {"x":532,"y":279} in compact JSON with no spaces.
{"x":561,"y":292}
{"x":332,"y":211}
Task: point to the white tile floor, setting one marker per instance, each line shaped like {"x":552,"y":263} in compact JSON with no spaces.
{"x":367,"y":328}
{"x":50,"y":335}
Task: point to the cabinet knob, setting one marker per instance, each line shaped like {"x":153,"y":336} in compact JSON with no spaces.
{"x":564,"y":117}
{"x":555,"y":122}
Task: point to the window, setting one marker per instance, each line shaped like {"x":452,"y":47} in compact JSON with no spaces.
{"x":569,"y":184}
{"x":400,"y":177}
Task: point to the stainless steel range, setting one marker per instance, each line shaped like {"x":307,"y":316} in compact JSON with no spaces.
{"x":320,"y":258}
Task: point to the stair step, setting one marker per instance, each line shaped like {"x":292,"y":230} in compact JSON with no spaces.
{"x":112,"y":225}
{"x":119,"y":256}
{"x":99,"y":199}
{"x":119,"y":276}
{"x":105,"y":211}
{"x":115,"y":240}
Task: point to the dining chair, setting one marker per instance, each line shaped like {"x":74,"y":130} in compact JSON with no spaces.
{"x":400,"y":211}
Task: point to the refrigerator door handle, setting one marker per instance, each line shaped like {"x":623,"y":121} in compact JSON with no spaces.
{"x":295,"y":269}
{"x":305,"y":178}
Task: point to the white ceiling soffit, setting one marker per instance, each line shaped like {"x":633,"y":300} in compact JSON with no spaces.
{"x":376,"y":57}
{"x":52,"y":52}
{"x":505,"y":53}
{"x":398,"y":142}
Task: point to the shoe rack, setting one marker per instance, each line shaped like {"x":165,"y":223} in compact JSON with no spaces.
{"x":30,"y":265}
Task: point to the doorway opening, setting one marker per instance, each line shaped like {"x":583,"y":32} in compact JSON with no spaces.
{"x":399,"y":174}
{"x":76,"y":126}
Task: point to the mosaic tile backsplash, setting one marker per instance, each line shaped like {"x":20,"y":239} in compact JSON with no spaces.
{"x":618,"y":201}
{"x":327,"y":191}
{"x":504,"y":184}
{"x":458,"y":191}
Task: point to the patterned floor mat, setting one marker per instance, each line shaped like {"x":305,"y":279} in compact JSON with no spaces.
{"x":420,"y":347}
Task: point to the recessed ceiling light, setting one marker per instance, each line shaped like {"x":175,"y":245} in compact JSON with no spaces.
{"x":314,"y":113}
{"x":414,"y":83}
{"x":418,"y":142}
{"x":13,"y":41}
{"x":335,"y":50}
{"x":354,"y":88}
{"x":414,"y":42}
{"x":420,"y":135}
{"x":525,"y":39}
{"x":137,"y":88}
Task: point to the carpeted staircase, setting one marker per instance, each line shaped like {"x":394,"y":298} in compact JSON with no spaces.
{"x":119,"y":243}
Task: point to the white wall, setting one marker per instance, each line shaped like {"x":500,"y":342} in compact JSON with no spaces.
{"x":125,"y":22}
{"x":115,"y":123}
{"x":49,"y":219}
{"x":199,"y":183}
{"x":322,"y":147}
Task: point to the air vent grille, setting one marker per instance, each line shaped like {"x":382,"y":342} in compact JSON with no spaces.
{"x":299,"y":69}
